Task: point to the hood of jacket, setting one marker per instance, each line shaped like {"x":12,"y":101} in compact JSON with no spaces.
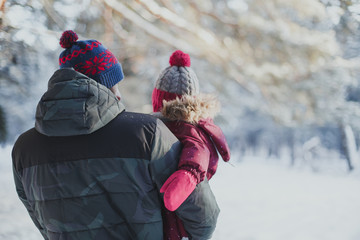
{"x":191,"y":109}
{"x":75,"y":105}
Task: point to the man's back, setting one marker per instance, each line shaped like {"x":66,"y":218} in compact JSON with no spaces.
{"x":95,"y":186}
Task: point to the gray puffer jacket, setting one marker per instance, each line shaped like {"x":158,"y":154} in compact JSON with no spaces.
{"x":91,"y":170}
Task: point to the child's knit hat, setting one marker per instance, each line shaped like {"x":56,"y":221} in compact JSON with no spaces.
{"x":91,"y":58}
{"x":175,"y":81}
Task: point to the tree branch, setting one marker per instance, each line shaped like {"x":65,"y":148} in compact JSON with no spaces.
{"x":2,"y":5}
{"x":224,"y":20}
{"x":52,"y":14}
{"x":150,"y":28}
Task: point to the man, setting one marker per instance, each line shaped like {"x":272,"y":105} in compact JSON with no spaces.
{"x":91,"y":170}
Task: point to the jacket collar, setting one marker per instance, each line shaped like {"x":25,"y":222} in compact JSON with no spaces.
{"x":191,"y":108}
{"x":75,"y":105}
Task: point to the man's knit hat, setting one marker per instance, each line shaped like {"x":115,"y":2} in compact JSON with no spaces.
{"x":175,"y":81}
{"x":91,"y":58}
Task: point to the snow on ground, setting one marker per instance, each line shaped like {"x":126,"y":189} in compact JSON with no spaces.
{"x":15,"y":221}
{"x":263,"y":201}
{"x":259,"y":200}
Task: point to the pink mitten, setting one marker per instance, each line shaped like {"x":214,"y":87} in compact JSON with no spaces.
{"x":177,"y":188}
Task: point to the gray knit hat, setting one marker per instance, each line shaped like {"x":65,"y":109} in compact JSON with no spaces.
{"x":176,"y":80}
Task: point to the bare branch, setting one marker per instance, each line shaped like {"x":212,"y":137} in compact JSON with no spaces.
{"x":2,"y":11}
{"x":222,"y":19}
{"x":150,"y":28}
{"x":109,"y":27}
{"x":2,"y":5}
{"x":52,"y":14}
{"x":206,"y":37}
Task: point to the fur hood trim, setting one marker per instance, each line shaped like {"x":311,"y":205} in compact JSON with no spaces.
{"x":191,"y":108}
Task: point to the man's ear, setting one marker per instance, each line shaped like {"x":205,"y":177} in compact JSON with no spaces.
{"x":116,"y":91}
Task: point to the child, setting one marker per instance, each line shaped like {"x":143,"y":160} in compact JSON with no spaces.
{"x":188,"y":115}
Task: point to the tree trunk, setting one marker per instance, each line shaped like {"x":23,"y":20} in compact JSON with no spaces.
{"x":349,"y":144}
{"x":2,"y":12}
{"x":3,"y":129}
{"x":2,"y":5}
{"x":291,"y":138}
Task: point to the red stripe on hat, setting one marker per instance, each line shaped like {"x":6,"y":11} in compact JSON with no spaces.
{"x":158,"y":96}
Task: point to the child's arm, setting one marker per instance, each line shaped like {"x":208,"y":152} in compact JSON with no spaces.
{"x":218,"y":138}
{"x":200,"y":211}
{"x":193,"y":164}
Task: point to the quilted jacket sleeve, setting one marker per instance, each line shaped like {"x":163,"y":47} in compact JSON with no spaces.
{"x":21,"y":193}
{"x":199,"y":212}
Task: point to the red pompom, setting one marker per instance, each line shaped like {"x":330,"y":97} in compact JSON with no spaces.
{"x":68,"y":38}
{"x":180,"y":59}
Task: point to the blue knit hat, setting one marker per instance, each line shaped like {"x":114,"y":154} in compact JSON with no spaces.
{"x":91,"y":58}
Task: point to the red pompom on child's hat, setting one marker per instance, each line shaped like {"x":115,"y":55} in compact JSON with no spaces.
{"x":180,"y":59}
{"x":68,"y":38}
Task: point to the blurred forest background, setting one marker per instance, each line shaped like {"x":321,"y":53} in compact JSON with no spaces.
{"x":287,"y":72}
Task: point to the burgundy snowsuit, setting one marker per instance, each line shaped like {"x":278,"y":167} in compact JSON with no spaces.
{"x":199,"y":155}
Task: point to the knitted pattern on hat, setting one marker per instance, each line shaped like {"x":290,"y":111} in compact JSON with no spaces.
{"x":91,"y":58}
{"x":178,"y":79}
